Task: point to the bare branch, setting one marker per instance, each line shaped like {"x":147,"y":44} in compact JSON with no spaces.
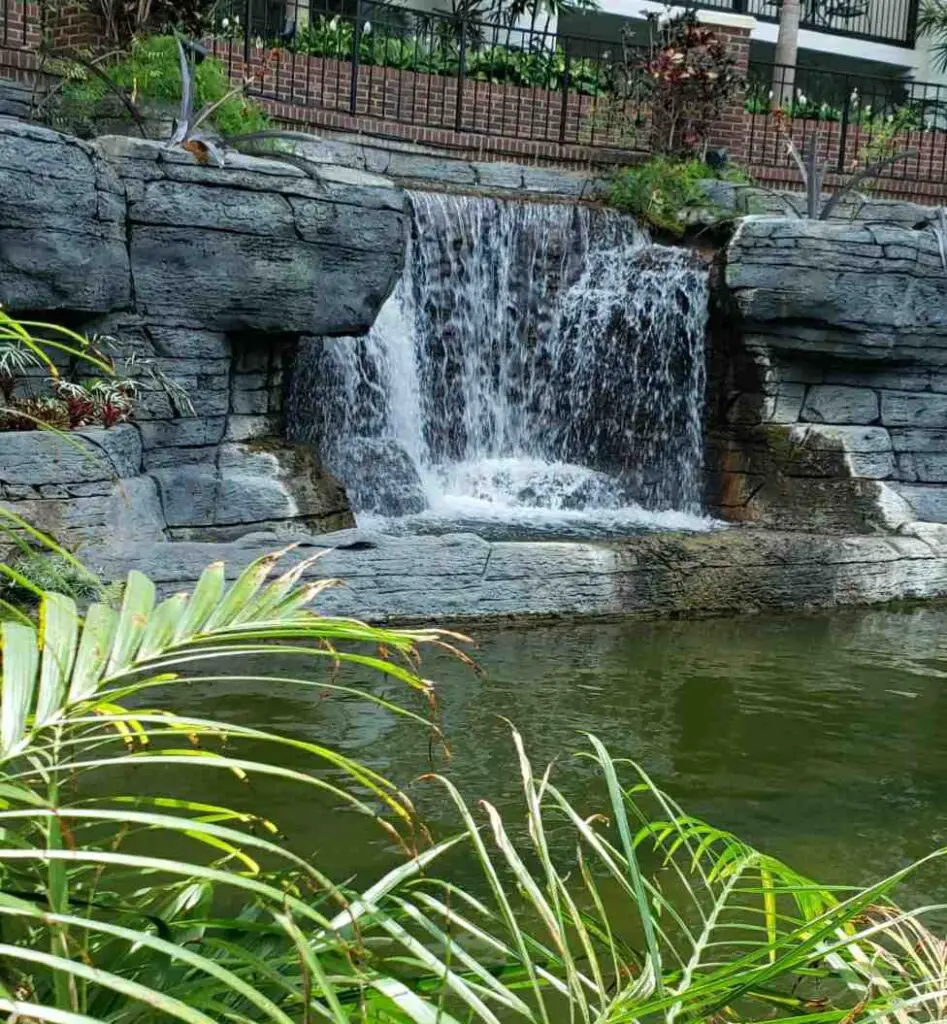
{"x":865,"y":174}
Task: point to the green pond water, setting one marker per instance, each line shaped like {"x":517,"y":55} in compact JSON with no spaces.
{"x":822,"y":739}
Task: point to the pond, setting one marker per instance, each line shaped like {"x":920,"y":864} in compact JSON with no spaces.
{"x":819,"y":738}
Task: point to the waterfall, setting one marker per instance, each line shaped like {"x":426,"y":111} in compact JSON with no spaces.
{"x":538,"y":365}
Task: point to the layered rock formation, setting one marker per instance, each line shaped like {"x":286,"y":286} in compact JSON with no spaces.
{"x":832,"y":379}
{"x":828,"y":419}
{"x":205,"y":278}
{"x":463,"y":576}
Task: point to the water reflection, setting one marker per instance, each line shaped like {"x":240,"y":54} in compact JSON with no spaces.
{"x":818,"y":737}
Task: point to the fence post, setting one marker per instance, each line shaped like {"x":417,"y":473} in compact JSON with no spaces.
{"x":564,"y":85}
{"x":843,"y":133}
{"x":247,"y":34}
{"x":461,"y":72}
{"x":356,"y":62}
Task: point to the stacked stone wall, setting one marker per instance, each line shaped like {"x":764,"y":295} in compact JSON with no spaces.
{"x":204,"y":279}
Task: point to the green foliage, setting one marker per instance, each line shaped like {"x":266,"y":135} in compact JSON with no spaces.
{"x":932,"y":22}
{"x":45,"y":379}
{"x":905,"y":117}
{"x":541,"y":67}
{"x":48,"y":571}
{"x":667,"y":193}
{"x":150,"y":71}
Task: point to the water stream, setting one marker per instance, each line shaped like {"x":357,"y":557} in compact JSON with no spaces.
{"x":539,"y":367}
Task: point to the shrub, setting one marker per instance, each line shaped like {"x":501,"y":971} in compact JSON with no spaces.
{"x":667,"y":193}
{"x":125,"y":19}
{"x":150,"y":70}
{"x":540,"y":67}
{"x":51,"y":377}
{"x":686,"y":78}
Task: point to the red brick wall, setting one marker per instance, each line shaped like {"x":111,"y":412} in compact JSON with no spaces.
{"x":25,"y":23}
{"x":19,"y":24}
{"x":74,"y":26}
{"x":730,"y":131}
{"x":489,"y":121}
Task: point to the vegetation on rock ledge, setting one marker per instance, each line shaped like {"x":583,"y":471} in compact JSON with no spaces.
{"x":149,"y":71}
{"x":669,"y":195}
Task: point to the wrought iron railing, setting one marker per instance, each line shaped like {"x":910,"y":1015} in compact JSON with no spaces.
{"x":850,"y":120}
{"x":431,"y":70}
{"x":881,"y":21}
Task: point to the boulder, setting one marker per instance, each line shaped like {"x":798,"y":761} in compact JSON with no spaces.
{"x":37,"y":457}
{"x":267,"y":484}
{"x":239,"y":248}
{"x":850,"y":291}
{"x":62,"y":224}
{"x":380,"y":477}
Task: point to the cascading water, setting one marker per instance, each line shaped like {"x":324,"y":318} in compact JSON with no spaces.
{"x":538,"y":367}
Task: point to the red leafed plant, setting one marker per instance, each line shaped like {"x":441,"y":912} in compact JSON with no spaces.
{"x":41,"y":386}
{"x":686,"y":77}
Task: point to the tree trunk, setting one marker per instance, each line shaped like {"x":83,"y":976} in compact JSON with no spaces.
{"x":787,"y":43}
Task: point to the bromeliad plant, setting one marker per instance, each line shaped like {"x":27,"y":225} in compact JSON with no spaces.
{"x":133,"y":898}
{"x":52,"y":377}
{"x":813,"y":170}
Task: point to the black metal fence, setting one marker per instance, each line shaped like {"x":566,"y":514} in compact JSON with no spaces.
{"x":848,"y":119}
{"x":518,"y":80}
{"x":881,"y":21}
{"x":19,"y":23}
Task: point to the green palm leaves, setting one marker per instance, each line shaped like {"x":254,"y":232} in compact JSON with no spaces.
{"x":124,"y":896}
{"x":97,"y":909}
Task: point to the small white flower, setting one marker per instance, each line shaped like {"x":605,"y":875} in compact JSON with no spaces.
{"x":334,"y":24}
{"x":225,"y":23}
{"x":367,"y":27}
{"x":770,"y":94}
{"x":236,"y":19}
{"x":801,"y":96}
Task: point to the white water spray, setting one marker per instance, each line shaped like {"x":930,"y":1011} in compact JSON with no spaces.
{"x":538,"y":367}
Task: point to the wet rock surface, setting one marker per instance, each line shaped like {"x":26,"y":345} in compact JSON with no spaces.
{"x":205,"y":277}
{"x":461,"y":576}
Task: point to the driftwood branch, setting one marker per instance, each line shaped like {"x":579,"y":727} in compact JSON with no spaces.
{"x":865,"y":174}
{"x":183,"y":127}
